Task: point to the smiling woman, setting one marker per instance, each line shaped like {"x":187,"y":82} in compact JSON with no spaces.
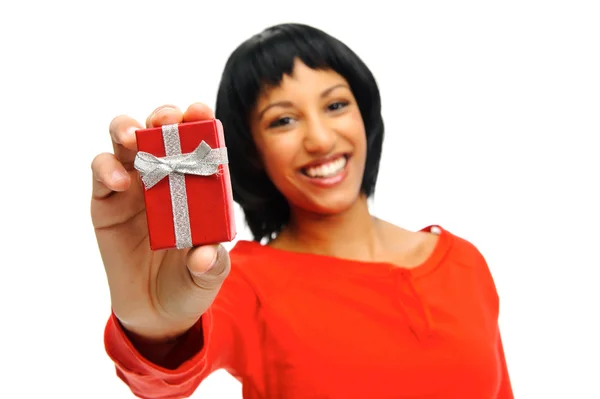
{"x":327,"y":301}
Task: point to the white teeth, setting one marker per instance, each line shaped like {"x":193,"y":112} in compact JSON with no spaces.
{"x":329,"y":169}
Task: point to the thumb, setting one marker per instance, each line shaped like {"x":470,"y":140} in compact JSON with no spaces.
{"x":185,"y":292}
{"x":208,"y":266}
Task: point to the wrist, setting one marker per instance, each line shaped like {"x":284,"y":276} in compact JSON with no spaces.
{"x":156,"y":336}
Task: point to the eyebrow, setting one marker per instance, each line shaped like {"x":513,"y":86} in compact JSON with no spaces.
{"x":325,"y":93}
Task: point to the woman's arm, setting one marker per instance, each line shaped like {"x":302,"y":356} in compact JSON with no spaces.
{"x":220,"y":339}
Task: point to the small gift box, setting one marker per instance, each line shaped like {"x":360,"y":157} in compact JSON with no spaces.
{"x":187,"y":188}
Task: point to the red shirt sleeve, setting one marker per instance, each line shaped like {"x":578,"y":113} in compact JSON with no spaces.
{"x":505,"y":391}
{"x":219,"y":340}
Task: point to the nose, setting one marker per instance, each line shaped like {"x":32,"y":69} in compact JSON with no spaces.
{"x":319,"y":137}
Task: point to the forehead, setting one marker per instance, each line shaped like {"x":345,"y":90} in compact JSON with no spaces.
{"x":303,"y":82}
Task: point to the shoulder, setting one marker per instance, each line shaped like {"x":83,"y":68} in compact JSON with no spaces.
{"x":443,"y":247}
{"x":248,"y":254}
{"x":460,"y":250}
{"x":466,"y":254}
{"x":466,"y":257}
{"x":265,"y":268}
{"x":245,"y":256}
{"x":463,"y":249}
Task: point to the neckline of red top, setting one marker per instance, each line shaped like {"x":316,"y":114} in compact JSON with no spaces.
{"x":343,"y":265}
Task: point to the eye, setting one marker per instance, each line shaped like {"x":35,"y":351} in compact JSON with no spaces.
{"x":281,"y":122}
{"x":337,"y":105}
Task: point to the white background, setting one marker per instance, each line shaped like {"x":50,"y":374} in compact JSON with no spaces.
{"x":492,"y":118}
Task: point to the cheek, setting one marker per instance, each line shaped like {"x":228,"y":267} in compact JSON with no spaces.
{"x":278,"y":156}
{"x":355,"y":133}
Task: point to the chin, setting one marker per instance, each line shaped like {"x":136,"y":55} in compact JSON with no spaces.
{"x":330,"y":205}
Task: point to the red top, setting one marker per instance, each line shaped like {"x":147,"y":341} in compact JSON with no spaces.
{"x":293,"y":325}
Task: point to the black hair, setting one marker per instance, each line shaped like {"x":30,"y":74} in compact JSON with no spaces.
{"x":262,"y":61}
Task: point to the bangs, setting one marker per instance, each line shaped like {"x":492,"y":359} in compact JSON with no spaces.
{"x":271,"y":55}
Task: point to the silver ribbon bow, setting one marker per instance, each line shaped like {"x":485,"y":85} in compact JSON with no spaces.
{"x":203,"y":161}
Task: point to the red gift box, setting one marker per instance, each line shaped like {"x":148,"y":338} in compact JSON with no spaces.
{"x":184,"y":169}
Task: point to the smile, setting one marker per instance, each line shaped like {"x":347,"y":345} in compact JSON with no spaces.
{"x":328,"y":169}
{"x":328,"y":173}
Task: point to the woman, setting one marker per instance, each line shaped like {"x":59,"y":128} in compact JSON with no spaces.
{"x":327,"y":301}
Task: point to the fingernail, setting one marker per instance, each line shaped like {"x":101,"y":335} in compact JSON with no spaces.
{"x":131,"y":131}
{"x":118,"y":176}
{"x":162,"y":110}
{"x":208,"y":255}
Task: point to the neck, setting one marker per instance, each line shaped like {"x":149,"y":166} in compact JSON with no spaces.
{"x":350,"y":234}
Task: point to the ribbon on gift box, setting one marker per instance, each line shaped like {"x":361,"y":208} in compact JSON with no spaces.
{"x":203,"y":161}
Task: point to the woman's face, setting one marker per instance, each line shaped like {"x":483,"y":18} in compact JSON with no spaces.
{"x":311,"y":138}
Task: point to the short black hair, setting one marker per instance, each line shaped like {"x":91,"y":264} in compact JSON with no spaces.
{"x":262,"y":61}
